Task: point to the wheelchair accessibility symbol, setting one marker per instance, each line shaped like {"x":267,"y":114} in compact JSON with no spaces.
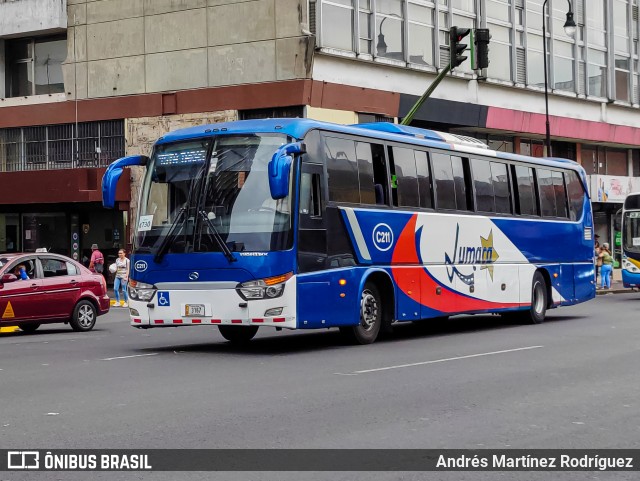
{"x":163,"y":299}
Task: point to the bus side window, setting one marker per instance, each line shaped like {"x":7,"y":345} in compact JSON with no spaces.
{"x":365,"y":173}
{"x":310,"y":198}
{"x":547,"y":193}
{"x":576,"y":194}
{"x":424,"y":179}
{"x":560,"y":193}
{"x":481,"y":171}
{"x":342,"y":170}
{"x":406,"y":177}
{"x":380,"y":179}
{"x":525,"y":186}
{"x":443,"y":181}
{"x":500,"y":180}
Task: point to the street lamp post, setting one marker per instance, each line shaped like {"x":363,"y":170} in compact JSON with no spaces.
{"x":570,"y":30}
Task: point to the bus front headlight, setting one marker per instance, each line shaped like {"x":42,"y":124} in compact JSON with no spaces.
{"x":139,"y":291}
{"x":268,"y":288}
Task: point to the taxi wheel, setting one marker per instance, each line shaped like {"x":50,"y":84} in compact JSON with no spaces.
{"x":84,"y":316}
{"x":29,"y":327}
{"x":238,"y":334}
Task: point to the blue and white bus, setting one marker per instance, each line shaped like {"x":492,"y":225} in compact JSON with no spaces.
{"x":631,"y":241}
{"x":299,"y":224}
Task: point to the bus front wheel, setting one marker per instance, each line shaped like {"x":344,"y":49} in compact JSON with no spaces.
{"x":238,"y":334}
{"x":368,"y":328}
{"x":538,"y":310}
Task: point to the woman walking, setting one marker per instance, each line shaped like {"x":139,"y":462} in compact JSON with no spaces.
{"x":607,"y":265}
{"x":122,"y":278}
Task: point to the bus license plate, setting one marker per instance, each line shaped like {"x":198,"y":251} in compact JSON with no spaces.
{"x":194,"y":310}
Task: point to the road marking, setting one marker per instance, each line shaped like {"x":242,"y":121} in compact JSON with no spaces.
{"x":366,"y":371}
{"x":127,"y":357}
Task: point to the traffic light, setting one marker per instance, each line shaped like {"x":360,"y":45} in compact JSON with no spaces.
{"x":481,"y":40}
{"x":456,"y":49}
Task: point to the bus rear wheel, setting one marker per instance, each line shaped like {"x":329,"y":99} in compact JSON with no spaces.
{"x":368,"y":328}
{"x":538,"y":310}
{"x":238,"y":334}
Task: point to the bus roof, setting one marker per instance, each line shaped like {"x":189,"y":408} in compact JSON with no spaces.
{"x":298,"y":128}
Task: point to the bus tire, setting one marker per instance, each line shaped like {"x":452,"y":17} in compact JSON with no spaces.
{"x":538,"y":309}
{"x":238,"y":334}
{"x":370,"y":323}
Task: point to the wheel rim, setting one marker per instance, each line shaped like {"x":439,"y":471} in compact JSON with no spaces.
{"x":368,"y":310}
{"x":538,"y":298}
{"x":85,"y":315}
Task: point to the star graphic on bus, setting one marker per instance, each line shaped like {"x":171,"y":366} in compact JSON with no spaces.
{"x":489,"y":254}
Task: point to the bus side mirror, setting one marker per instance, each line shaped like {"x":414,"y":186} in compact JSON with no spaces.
{"x":280,"y":168}
{"x":112,"y":175}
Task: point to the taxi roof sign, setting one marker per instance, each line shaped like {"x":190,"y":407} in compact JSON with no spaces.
{"x":40,"y":250}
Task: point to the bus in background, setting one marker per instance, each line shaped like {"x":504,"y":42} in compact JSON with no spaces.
{"x":299,"y":224}
{"x":631,"y":241}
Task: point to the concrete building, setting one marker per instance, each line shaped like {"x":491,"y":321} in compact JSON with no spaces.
{"x":83,"y":82}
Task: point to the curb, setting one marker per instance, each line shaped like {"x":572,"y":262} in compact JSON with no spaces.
{"x":614,"y":291}
{"x":9,"y":329}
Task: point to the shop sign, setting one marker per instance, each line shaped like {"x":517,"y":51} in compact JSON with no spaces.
{"x":612,"y":188}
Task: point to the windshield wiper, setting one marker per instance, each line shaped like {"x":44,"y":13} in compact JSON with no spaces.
{"x":171,"y":235}
{"x":216,"y":236}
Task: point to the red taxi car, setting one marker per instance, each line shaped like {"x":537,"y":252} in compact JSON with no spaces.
{"x":54,"y":289}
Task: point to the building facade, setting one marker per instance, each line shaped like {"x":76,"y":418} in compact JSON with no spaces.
{"x":83,"y":82}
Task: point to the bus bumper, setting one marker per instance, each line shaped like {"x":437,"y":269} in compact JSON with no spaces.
{"x":630,"y":279}
{"x":215,"y":307}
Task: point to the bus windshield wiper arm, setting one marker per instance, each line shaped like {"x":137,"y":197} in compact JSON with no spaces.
{"x":171,"y":235}
{"x":216,"y":235}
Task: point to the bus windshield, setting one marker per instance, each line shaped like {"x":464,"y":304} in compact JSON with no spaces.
{"x":632,"y":231}
{"x":200,"y":195}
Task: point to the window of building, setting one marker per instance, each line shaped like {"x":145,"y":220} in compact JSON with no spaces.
{"x":616,"y":162}
{"x":337,"y":24}
{"x":420,"y":18}
{"x":272,"y":113}
{"x":390,"y":27}
{"x":34,"y":66}
{"x":89,"y":144}
{"x":500,"y":24}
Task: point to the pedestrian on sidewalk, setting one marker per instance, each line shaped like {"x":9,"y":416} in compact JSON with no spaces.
{"x":598,"y":260}
{"x":96,"y":264}
{"x":122,"y":278}
{"x":607,"y":265}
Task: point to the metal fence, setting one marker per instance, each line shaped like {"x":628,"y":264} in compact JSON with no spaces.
{"x":65,"y":146}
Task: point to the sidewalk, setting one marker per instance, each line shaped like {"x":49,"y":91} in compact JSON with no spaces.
{"x":616,"y":285}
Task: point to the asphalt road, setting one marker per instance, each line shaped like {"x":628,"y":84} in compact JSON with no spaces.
{"x":470,"y":382}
